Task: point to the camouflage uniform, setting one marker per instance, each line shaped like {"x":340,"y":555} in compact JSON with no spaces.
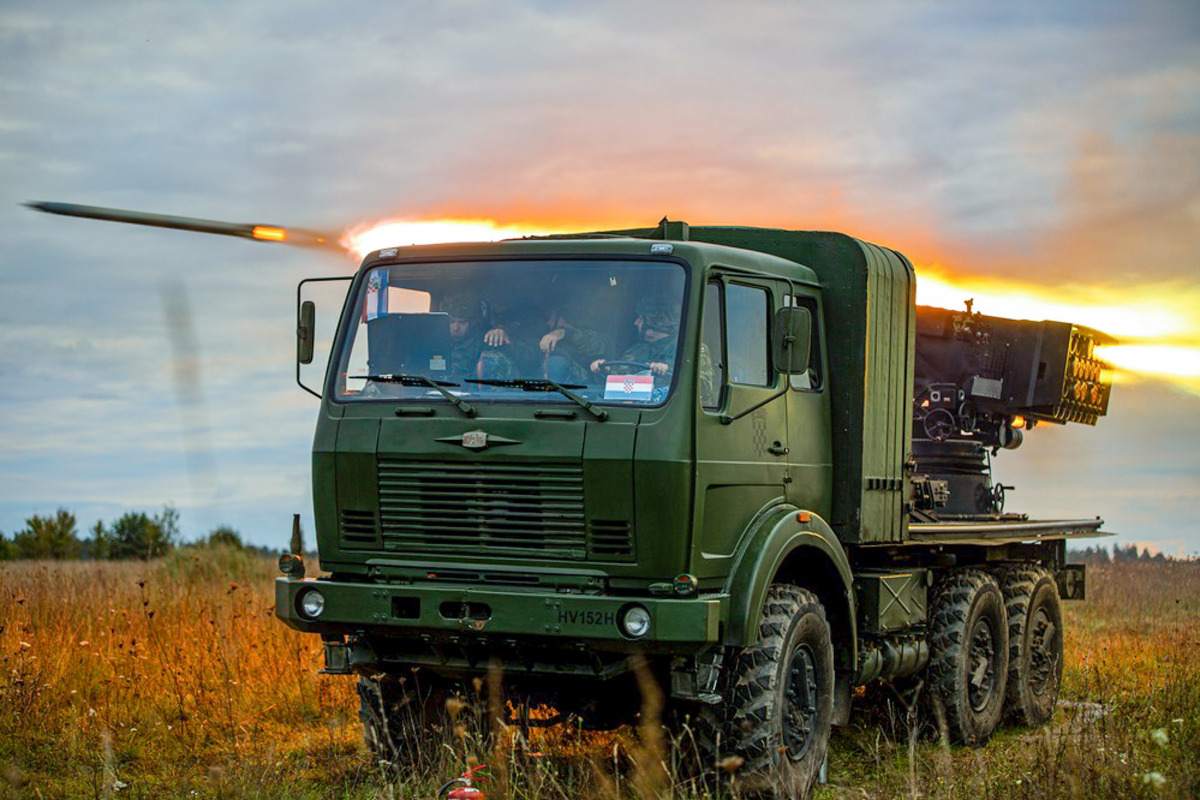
{"x":464,"y":355}
{"x":466,"y":349}
{"x":660,"y":315}
{"x":662,"y":351}
{"x":578,"y":348}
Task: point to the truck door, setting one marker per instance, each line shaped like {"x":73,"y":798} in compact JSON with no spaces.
{"x":741,"y":464}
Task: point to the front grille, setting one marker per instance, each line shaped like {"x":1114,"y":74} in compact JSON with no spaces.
{"x":358,"y":529}
{"x":482,"y":508}
{"x":611,"y":540}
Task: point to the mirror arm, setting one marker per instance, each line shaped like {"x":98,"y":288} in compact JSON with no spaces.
{"x":726,"y":419}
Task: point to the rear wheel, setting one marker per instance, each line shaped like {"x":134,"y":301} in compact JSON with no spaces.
{"x":780,"y":704}
{"x":1035,"y":643}
{"x":968,"y":654}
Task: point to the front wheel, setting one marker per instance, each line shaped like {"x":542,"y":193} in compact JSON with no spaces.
{"x":781,"y":695}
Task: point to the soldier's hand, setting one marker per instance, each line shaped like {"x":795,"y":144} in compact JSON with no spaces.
{"x":596,"y":364}
{"x":551,"y":339}
{"x":496,"y":337}
{"x":658,"y":367}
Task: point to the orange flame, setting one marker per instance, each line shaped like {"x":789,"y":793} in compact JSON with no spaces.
{"x":269,"y":234}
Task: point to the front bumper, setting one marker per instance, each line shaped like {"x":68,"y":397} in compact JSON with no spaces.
{"x":441,"y":609}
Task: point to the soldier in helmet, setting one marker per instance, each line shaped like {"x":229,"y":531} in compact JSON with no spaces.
{"x":466,"y":334}
{"x":476,"y":350}
{"x":658,"y":333}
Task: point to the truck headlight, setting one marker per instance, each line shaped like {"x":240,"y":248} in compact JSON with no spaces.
{"x":635,"y":622}
{"x":312,"y":604}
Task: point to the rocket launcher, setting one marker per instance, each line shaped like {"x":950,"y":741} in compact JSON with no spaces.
{"x":975,"y":372}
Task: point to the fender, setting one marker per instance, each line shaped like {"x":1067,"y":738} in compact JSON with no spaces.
{"x":776,"y":538}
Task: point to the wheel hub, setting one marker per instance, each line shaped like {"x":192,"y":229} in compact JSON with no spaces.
{"x":1042,"y":653}
{"x":982,"y":665}
{"x":800,"y":702}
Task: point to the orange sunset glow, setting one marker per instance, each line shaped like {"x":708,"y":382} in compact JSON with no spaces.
{"x":362,"y":239}
{"x":1158,"y":326}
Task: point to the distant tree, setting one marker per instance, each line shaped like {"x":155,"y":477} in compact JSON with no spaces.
{"x":7,"y":551}
{"x":48,"y":537}
{"x":138,"y":535}
{"x":1124,"y":555}
{"x":224,"y":535}
{"x":99,"y":547}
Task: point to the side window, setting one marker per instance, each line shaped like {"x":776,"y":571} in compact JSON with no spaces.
{"x":811,"y":380}
{"x":746,"y":314}
{"x":712,"y":353}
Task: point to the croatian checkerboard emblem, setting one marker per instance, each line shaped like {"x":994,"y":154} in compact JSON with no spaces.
{"x":628,"y":387}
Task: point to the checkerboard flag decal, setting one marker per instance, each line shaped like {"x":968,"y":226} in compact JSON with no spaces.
{"x":628,"y":387}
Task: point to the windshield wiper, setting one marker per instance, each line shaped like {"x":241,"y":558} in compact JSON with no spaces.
{"x":422,"y":380}
{"x":544,"y":385}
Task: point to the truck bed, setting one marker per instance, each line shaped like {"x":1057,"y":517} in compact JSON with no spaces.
{"x":1002,"y":531}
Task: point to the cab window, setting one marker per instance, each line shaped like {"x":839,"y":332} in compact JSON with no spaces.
{"x":712,"y":348}
{"x":746,"y":314}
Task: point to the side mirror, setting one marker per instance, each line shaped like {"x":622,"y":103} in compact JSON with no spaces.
{"x":791,"y":339}
{"x":304,"y":332}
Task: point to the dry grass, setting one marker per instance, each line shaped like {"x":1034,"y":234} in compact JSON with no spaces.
{"x":169,"y":677}
{"x":174,"y":679}
{"x":1128,"y":724}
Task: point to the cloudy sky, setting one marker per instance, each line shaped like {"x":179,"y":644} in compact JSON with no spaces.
{"x":1047,"y":150}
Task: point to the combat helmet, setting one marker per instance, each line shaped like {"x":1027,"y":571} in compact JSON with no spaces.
{"x":659,"y":314}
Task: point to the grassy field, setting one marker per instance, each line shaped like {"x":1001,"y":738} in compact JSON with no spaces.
{"x":173,"y":679}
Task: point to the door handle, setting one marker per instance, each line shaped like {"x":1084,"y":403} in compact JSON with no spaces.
{"x":777,"y":449}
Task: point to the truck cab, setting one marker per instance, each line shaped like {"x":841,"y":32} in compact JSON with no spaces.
{"x":588,"y":494}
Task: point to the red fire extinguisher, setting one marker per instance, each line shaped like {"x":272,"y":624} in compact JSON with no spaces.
{"x":463,"y":787}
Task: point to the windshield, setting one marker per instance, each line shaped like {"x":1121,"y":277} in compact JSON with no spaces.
{"x":604,"y":331}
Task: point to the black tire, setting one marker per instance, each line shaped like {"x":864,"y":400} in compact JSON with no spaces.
{"x":403,"y":719}
{"x":1035,"y":644}
{"x":780,"y":700}
{"x":968,"y":654}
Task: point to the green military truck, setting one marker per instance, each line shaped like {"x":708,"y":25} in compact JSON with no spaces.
{"x":745,"y":454}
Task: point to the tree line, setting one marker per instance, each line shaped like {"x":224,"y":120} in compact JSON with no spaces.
{"x":1120,"y":554}
{"x":134,"y":535}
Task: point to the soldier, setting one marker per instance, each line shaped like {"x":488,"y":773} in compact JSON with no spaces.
{"x":658,"y":334}
{"x":466,"y":338}
{"x":566,"y":347}
{"x":478,"y":348}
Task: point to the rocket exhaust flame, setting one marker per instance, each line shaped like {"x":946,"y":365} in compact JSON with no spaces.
{"x":363,"y":239}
